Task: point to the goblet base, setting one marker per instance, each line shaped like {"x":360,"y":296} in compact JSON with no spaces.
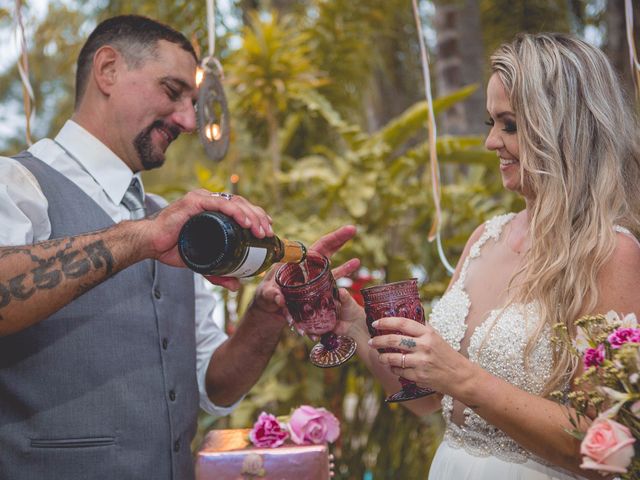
{"x":342,"y":350}
{"x":409,"y":393}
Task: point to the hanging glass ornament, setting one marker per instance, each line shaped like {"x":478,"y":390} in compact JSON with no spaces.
{"x":212,"y":111}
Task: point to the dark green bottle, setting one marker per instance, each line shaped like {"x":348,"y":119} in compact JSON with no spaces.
{"x":213,"y":243}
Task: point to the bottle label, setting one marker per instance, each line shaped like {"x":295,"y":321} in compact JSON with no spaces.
{"x":252,"y":262}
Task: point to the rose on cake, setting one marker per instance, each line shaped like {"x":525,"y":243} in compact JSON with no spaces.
{"x":268,"y":432}
{"x":306,"y":425}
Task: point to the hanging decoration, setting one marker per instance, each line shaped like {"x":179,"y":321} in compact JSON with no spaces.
{"x":633,"y":54}
{"x":434,"y":233}
{"x":212,"y":110}
{"x":23,"y":69}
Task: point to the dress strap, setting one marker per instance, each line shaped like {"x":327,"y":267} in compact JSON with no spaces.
{"x":492,"y":229}
{"x":625,"y":231}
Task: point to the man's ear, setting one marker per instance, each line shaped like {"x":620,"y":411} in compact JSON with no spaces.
{"x":106,"y":63}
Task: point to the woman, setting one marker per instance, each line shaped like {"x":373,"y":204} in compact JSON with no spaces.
{"x":568,"y":144}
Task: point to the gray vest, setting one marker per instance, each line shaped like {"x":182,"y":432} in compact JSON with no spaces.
{"x":106,"y":387}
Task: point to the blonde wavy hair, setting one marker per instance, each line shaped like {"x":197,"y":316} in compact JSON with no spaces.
{"x":580,"y":161}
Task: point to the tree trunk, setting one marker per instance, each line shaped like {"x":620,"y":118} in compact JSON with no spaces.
{"x":616,"y":46}
{"x":275,"y":153}
{"x":396,"y":81}
{"x":247,"y":7}
{"x":460,"y":62}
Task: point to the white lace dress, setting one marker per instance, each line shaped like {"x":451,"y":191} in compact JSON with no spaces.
{"x":476,"y":449}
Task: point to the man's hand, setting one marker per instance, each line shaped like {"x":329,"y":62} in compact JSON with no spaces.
{"x":269,"y":298}
{"x":352,"y":317}
{"x":161,"y":230}
{"x":330,"y":243}
{"x":238,"y":363}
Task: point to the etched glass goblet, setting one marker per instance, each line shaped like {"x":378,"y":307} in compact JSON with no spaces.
{"x":311,"y":296}
{"x":397,"y":299}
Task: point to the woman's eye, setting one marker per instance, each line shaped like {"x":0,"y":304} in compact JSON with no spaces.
{"x":510,"y":127}
{"x":489,"y":122}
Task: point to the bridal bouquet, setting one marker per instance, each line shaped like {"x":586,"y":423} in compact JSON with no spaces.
{"x":609,"y":348}
{"x":305,"y":425}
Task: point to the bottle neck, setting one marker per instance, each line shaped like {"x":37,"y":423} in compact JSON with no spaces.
{"x":294,"y":252}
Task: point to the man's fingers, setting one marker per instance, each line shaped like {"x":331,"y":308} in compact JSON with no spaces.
{"x":229,"y":283}
{"x":346,"y":268}
{"x":330,"y":243}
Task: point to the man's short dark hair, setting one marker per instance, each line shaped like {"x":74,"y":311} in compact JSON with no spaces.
{"x":134,"y":36}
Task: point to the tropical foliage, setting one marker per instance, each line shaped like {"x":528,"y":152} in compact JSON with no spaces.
{"x":378,"y":181}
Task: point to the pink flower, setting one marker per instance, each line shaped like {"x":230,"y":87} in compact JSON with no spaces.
{"x":593,"y":357}
{"x":608,"y":446}
{"x":313,"y":425}
{"x":268,"y":432}
{"x":624,"y":335}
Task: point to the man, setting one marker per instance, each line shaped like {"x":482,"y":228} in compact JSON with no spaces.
{"x":100,"y":369}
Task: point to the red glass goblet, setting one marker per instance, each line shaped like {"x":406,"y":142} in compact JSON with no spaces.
{"x":397,"y":299}
{"x":311,"y":296}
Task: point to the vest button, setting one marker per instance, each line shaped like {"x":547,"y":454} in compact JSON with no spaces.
{"x":165,"y":343}
{"x":176,"y":446}
{"x":156,"y":293}
{"x":172,"y":396}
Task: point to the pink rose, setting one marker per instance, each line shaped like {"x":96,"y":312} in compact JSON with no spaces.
{"x":313,"y":425}
{"x":608,"y":446}
{"x":624,"y":335}
{"x":593,"y":357}
{"x":268,"y":432}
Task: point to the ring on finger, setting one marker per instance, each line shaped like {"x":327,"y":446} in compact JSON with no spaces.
{"x":403,"y":356}
{"x":226,"y":196}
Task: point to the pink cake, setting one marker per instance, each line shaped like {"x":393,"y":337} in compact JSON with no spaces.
{"x":228,"y":455}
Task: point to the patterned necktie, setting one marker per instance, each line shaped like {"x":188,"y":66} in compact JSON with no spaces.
{"x":133,"y":200}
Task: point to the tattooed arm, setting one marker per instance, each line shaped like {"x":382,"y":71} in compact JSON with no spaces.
{"x":37,"y":280}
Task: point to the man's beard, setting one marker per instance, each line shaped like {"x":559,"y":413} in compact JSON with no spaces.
{"x":144,"y":145}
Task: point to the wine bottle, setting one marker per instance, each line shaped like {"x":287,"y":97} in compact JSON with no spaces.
{"x":213,"y":243}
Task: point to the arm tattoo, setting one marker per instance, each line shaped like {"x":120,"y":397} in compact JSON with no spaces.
{"x":407,"y":342}
{"x":99,"y":253}
{"x":65,"y":262}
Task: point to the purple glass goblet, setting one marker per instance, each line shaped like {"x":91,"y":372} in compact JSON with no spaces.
{"x":397,"y":299}
{"x":311,"y":296}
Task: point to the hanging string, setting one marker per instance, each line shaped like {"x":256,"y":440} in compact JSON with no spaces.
{"x":23,"y":69}
{"x":633,"y":56}
{"x":211,"y":26}
{"x":210,"y":60}
{"x":433,"y":154}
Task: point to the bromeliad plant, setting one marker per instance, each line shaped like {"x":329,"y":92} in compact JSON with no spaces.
{"x":609,"y":348}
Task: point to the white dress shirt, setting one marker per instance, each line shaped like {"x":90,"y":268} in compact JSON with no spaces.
{"x":94,"y":168}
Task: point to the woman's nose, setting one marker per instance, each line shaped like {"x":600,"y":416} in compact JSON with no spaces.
{"x":493,"y":140}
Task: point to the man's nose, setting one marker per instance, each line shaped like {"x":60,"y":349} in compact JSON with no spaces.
{"x":185,"y":116}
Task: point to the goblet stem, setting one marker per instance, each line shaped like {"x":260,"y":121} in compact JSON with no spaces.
{"x":329,"y":341}
{"x":410,"y":391}
{"x":332,"y":350}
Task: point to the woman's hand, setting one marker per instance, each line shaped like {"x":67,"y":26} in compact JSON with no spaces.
{"x":428,"y":359}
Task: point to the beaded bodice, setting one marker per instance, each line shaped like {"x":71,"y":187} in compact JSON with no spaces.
{"x":498,"y":346}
